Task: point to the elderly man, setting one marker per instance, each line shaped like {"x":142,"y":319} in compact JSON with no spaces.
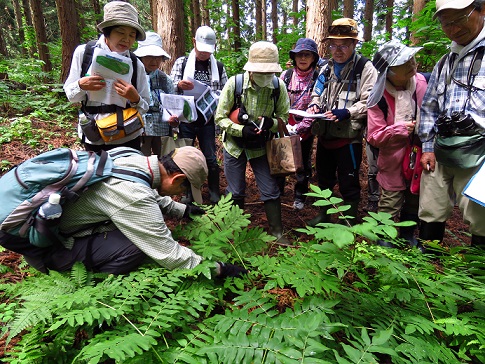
{"x":452,"y":126}
{"x":341,"y":93}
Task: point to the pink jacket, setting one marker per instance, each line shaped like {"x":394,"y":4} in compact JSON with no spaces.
{"x":391,"y":138}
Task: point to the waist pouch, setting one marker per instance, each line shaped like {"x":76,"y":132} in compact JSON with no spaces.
{"x":462,"y":151}
{"x":348,"y":129}
{"x":119,"y":125}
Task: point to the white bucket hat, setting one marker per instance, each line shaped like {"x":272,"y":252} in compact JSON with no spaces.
{"x":151,"y":46}
{"x":205,"y":39}
{"x":119,"y":13}
{"x":263,"y":57}
{"x":451,"y":4}
{"x":390,"y":54}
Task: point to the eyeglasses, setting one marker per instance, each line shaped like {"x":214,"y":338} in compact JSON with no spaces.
{"x":304,"y":54}
{"x":461,"y":21}
{"x":341,"y":29}
{"x":342,"y":47}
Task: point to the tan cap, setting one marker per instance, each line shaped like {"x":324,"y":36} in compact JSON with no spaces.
{"x":451,"y":4}
{"x":192,"y":162}
{"x":343,"y":28}
{"x":263,"y":57}
{"x":120,"y":13}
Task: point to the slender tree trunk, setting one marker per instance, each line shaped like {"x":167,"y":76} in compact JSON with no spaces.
{"x":294,"y":9}
{"x":317,"y":23}
{"x":259,"y":19}
{"x":3,"y":50}
{"x":29,"y":23}
{"x":197,"y":16}
{"x":349,"y":8}
{"x":418,"y":6}
{"x":40,"y":35}
{"x":368,"y":20}
{"x":68,"y":18}
{"x":389,"y":18}
{"x":236,"y":30}
{"x":274,"y":19}
{"x":20,"y":27}
{"x":205,"y":13}
{"x":170,"y":26}
{"x":264,"y":18}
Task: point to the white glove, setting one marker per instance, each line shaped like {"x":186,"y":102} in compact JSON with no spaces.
{"x":291,"y":129}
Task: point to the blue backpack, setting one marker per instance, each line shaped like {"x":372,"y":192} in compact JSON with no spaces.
{"x":64,"y":171}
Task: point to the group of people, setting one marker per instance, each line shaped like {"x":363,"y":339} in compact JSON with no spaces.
{"x":384,"y":103}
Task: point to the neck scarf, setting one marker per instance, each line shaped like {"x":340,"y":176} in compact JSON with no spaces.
{"x":405,"y":108}
{"x":190,"y":67}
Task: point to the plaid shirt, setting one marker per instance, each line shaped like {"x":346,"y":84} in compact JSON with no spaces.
{"x":135,"y":209}
{"x":258,"y":103}
{"x":445,"y":95}
{"x":159,"y":83}
{"x":177,"y":75}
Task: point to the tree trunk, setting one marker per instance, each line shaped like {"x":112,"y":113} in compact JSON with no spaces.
{"x":28,"y":22}
{"x":274,"y":19}
{"x":40,"y":35}
{"x":236,"y":30}
{"x":389,"y":19}
{"x":317,"y":23}
{"x":20,"y":27}
{"x":368,"y":19}
{"x":259,"y":19}
{"x":349,"y":8}
{"x":264,"y":17}
{"x":170,"y":26}
{"x":68,"y":18}
{"x":294,"y":9}
{"x":197,"y":16}
{"x":205,"y":13}
{"x":418,"y":6}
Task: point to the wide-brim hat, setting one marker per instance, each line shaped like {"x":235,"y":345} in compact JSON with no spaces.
{"x":263,"y":57}
{"x":205,"y":39}
{"x":451,"y":4}
{"x":120,"y":13}
{"x":151,"y":46}
{"x":305,"y":44}
{"x":192,"y":162}
{"x":390,"y":54}
{"x":343,"y":28}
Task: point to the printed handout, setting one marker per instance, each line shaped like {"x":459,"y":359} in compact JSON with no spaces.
{"x":308,"y":115}
{"x":180,"y":105}
{"x":474,"y":189}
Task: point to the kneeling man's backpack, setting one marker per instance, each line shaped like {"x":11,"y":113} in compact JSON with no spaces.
{"x":64,"y":171}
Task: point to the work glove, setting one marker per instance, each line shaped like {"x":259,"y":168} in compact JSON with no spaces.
{"x":250,"y":132}
{"x":341,"y":114}
{"x":267,"y":123}
{"x":192,"y":210}
{"x":230,"y":270}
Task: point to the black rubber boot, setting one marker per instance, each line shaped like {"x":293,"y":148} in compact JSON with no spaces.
{"x":354,"y":208}
{"x":432,"y":231}
{"x":407,"y":232}
{"x":239,"y":202}
{"x":322,"y":217}
{"x":478,"y":241}
{"x":273,"y":214}
{"x":213,"y":184}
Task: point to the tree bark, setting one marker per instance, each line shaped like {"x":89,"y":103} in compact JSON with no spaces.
{"x":264,"y":17}
{"x":20,"y":27}
{"x":236,"y":29}
{"x":294,"y":9}
{"x":418,"y":6}
{"x":274,"y":19}
{"x":349,"y":8}
{"x":205,"y":13}
{"x":29,"y":23}
{"x":368,"y":20}
{"x":259,"y":19}
{"x":68,"y":18}
{"x":389,"y":19}
{"x":197,"y":16}
{"x":170,"y":26}
{"x":40,"y":35}
{"x":317,"y":23}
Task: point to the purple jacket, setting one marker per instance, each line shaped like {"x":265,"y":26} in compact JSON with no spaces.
{"x":391,"y":138}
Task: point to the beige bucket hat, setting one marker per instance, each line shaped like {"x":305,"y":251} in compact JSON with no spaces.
{"x":120,"y":13}
{"x":263,"y":57}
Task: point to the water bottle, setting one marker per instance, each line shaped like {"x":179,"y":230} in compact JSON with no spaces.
{"x":51,"y":209}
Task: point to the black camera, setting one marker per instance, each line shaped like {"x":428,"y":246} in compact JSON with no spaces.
{"x":243,"y":116}
{"x":444,"y":125}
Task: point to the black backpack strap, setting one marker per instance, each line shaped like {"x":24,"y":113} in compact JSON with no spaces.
{"x":288,"y":75}
{"x":238,"y":80}
{"x":359,"y":67}
{"x":383,"y":106}
{"x":184,"y":63}
{"x":276,"y":91}
{"x":87,"y":57}
{"x":220,"y":69}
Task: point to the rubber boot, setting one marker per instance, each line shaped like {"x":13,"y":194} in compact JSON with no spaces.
{"x":407,"y":232}
{"x":239,"y":202}
{"x":322,"y":217}
{"x":478,"y":241}
{"x":354,"y":208}
{"x":273,"y":214}
{"x":213,"y":184}
{"x":281,"y":182}
{"x":432,"y":231}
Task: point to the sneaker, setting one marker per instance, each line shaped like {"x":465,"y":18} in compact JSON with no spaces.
{"x":372,"y":206}
{"x":298,"y":205}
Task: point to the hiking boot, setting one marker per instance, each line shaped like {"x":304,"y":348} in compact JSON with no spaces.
{"x":372,"y":206}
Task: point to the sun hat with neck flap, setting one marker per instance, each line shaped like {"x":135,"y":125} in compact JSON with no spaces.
{"x":390,"y":54}
{"x":263,"y":58}
{"x":120,"y":13}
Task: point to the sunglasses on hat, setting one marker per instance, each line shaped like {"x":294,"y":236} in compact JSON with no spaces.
{"x":341,"y":29}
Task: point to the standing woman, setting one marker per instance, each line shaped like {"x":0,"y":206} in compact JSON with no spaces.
{"x":299,"y":82}
{"x":393,"y":110}
{"x":120,"y":30}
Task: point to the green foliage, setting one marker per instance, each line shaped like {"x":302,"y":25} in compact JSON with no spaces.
{"x":331,"y":299}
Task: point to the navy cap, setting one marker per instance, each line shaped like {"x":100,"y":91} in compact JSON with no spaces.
{"x":305,"y":44}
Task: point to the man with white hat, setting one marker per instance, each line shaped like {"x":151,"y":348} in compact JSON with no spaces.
{"x":152,"y":54}
{"x":202,"y":66}
{"x":452,"y":126}
{"x":245,"y":139}
{"x":341,"y":93}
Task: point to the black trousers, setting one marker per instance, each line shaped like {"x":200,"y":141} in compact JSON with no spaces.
{"x":109,"y":252}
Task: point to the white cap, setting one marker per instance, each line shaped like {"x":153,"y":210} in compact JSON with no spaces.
{"x":451,"y":4}
{"x":205,"y":39}
{"x":54,"y":199}
{"x":151,"y":46}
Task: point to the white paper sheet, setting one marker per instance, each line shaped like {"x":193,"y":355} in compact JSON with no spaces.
{"x":475,"y":190}
{"x":307,"y":115}
{"x":175,"y":105}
